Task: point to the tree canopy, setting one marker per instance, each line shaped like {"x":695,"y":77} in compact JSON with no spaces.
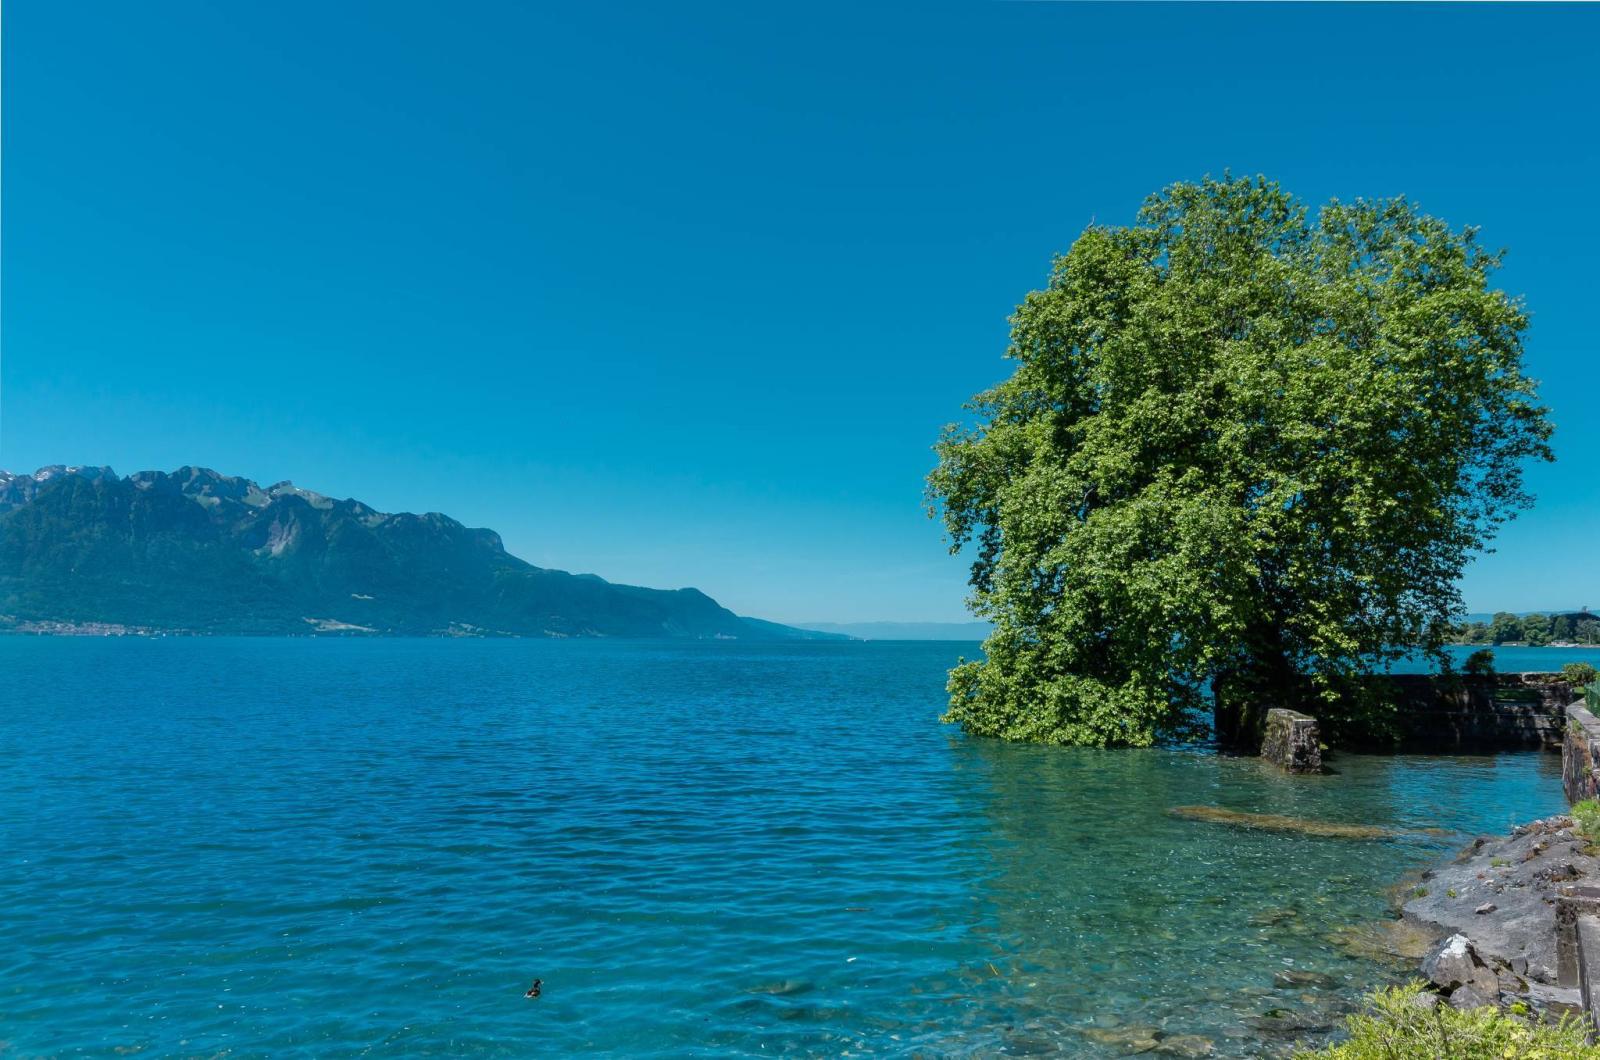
{"x":1243,"y":450}
{"x":1534,"y":629}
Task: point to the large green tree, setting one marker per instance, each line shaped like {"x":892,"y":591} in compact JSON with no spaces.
{"x":1243,"y":451}
{"x":1505,"y":627}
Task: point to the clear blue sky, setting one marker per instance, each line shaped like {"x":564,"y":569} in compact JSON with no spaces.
{"x":681,"y":295}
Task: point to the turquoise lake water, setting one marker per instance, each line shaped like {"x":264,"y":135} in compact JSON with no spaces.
{"x":332,"y":847}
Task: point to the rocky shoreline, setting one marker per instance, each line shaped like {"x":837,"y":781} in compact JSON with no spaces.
{"x":1495,"y":908}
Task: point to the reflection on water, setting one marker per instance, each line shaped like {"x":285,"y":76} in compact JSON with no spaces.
{"x":280,"y":846}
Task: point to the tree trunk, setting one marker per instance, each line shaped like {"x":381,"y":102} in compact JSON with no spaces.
{"x":1262,"y":679}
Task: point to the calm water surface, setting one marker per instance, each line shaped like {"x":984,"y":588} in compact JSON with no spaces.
{"x":334,"y":847}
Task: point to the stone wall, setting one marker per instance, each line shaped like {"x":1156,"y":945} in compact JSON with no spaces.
{"x":1580,"y":754}
{"x":1492,"y":712}
{"x":1589,"y":967}
{"x":1577,"y":906}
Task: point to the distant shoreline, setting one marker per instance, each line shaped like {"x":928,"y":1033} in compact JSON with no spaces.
{"x":323,"y":628}
{"x":1521,"y":644}
{"x":337,"y":631}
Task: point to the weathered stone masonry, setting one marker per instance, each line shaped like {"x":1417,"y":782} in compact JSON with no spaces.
{"x":1580,"y":754}
{"x":1293,"y":741}
{"x":1578,"y":906}
{"x":1490,"y":712}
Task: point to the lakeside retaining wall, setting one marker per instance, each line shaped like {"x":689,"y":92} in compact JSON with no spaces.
{"x":1580,"y":754}
{"x":1578,"y":907}
{"x":1468,"y":712}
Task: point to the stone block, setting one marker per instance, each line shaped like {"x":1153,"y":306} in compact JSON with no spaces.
{"x":1293,"y":741}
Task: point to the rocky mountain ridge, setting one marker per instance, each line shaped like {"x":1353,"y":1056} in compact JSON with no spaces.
{"x":197,"y":551}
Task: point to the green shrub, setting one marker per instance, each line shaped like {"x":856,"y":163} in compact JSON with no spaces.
{"x":1479,"y":663}
{"x":1579,"y":673}
{"x":1397,"y":1025}
{"x":1587,"y":815}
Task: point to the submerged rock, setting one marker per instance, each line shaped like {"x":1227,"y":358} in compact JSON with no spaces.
{"x":1386,"y":941}
{"x":781,"y":988}
{"x":1293,"y":977}
{"x":1274,"y":822}
{"x":1279,"y":1021}
{"x":1133,"y":1039}
{"x":1274,"y":917}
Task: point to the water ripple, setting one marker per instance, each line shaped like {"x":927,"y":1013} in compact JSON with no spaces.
{"x":307,"y":847}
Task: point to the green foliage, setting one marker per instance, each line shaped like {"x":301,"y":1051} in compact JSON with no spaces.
{"x":1586,"y":814}
{"x":1505,"y":628}
{"x":1573,"y":627}
{"x":1579,"y":673}
{"x":1479,"y":663}
{"x":1397,"y":1025}
{"x":1241,"y":449}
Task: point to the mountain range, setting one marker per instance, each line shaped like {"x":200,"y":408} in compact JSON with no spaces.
{"x":194,"y":551}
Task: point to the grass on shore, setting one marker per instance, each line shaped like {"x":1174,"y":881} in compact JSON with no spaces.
{"x":1586,"y":815}
{"x":1397,"y":1023}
